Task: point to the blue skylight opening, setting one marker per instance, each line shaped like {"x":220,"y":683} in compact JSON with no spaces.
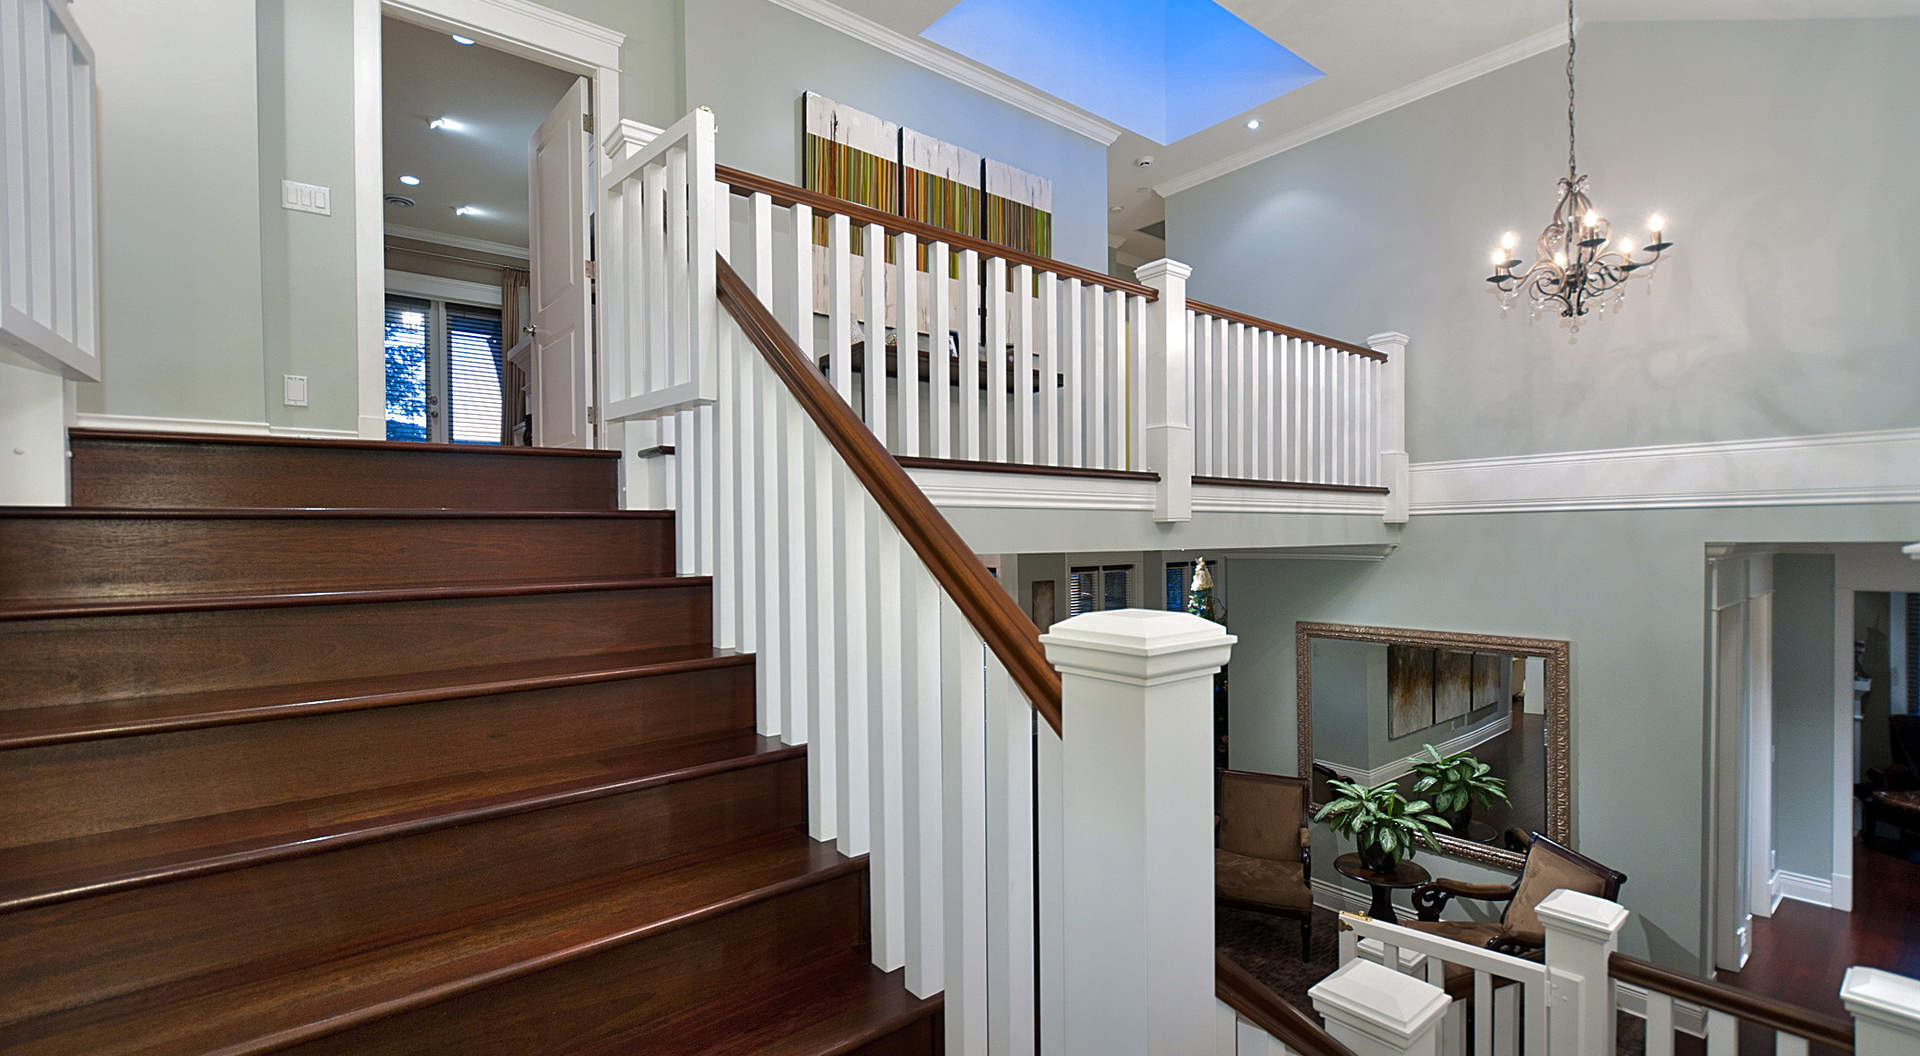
{"x":1163,"y":68}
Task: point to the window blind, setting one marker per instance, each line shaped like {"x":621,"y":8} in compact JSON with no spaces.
{"x":406,"y":343}
{"x":473,"y":374}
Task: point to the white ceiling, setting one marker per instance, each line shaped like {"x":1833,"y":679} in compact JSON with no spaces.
{"x":498,"y":99}
{"x":1367,"y":49}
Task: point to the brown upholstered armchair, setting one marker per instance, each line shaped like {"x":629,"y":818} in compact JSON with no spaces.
{"x":1261,"y":857}
{"x":1518,"y":931}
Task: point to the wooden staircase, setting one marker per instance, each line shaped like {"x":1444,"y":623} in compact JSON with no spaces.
{"x":393,"y":748}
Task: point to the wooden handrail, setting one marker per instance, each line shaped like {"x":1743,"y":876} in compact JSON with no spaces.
{"x":1281,"y":328}
{"x":1816,"y":1027}
{"x":995,"y":616}
{"x":1272,"y":1013}
{"x":747,"y":183}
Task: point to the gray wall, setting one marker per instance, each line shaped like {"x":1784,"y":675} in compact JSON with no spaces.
{"x":751,"y":61}
{"x":1803,"y":713}
{"x":1779,"y":151}
{"x":179,"y":209}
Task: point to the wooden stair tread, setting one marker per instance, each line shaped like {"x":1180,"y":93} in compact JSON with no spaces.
{"x":399,"y":513}
{"x":72,"y":868}
{"x":151,"y":436}
{"x":269,"y":1006}
{"x":123,"y":605}
{"x":825,"y":1008}
{"x":21,"y":727}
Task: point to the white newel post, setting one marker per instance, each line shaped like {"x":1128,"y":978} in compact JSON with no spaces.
{"x":1169,"y":379}
{"x":1137,"y":786}
{"x":1582,"y":933}
{"x":1885,"y":1009}
{"x":36,"y":406}
{"x":1393,"y":422}
{"x":1376,"y":1011}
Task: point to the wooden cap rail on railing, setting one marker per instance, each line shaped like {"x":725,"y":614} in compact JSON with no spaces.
{"x":1281,"y":328}
{"x":1272,"y":1013}
{"x":1816,"y":1027}
{"x":995,"y":616}
{"x":746,"y":183}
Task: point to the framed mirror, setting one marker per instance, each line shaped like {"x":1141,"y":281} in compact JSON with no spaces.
{"x":1370,"y":699}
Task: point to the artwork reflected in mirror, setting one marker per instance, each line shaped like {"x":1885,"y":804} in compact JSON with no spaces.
{"x":1473,"y":725}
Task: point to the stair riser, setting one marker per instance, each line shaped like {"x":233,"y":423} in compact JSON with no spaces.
{"x":85,"y":659}
{"x":109,"y":557}
{"x":595,"y":999}
{"x":68,"y":790}
{"x":163,"y":475}
{"x":922,"y":1037}
{"x":317,"y":908}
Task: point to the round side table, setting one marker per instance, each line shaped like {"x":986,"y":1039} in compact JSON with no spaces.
{"x":1405,"y":874}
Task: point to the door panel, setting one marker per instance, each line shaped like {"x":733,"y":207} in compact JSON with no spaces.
{"x":561,"y":299}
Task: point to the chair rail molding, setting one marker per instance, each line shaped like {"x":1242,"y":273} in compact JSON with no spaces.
{"x":1877,"y":466}
{"x":954,"y":67}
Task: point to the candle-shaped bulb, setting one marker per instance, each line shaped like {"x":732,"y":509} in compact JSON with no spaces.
{"x":1499,"y":258}
{"x":1656,"y":223}
{"x":1560,"y":257}
{"x":1591,"y":219}
{"x":1509,"y":240}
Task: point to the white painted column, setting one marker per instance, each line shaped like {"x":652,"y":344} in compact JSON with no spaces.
{"x":1137,"y":784}
{"x":1169,"y":380}
{"x":1886,"y":1011}
{"x":1393,"y":422}
{"x":1376,"y":1011}
{"x":36,"y":406}
{"x":1582,"y":933}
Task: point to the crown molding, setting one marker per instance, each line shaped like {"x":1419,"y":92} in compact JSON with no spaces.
{"x":1505,"y":55}
{"x":532,"y":25}
{"x":441,"y":238}
{"x":955,"y":67}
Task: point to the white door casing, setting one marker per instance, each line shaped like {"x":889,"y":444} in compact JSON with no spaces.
{"x":560,"y":296}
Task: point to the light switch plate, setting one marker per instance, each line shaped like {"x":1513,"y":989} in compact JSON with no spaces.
{"x":295,"y":389}
{"x":306,"y":197}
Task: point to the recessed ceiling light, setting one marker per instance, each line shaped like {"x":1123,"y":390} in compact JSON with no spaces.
{"x":468,"y":210}
{"x":1113,"y":209}
{"x":1253,"y":122}
{"x":411,"y":181}
{"x":445,"y":123}
{"x":458,"y":39}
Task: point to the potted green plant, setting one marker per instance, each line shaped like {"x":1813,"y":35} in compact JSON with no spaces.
{"x":1457,"y":784}
{"x":1383,"y":823}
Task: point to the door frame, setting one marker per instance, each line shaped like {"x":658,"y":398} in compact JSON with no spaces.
{"x":519,"y":27}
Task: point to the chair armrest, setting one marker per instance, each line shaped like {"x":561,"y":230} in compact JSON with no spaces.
{"x":1517,"y":942}
{"x":1430,"y":898}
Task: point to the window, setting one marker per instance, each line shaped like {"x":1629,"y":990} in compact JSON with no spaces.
{"x":1098,"y":588}
{"x":442,"y":354}
{"x":1177,"y":573}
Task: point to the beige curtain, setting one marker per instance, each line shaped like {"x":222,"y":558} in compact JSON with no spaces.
{"x":513,"y":380}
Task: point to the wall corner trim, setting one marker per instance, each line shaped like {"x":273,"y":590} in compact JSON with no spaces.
{"x":955,"y":67}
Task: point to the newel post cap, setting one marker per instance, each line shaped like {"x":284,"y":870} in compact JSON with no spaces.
{"x":1379,"y":1003}
{"x":1391,"y":338}
{"x":1892,"y":1001}
{"x":1158,"y":269}
{"x":1143,"y":647}
{"x":1581,"y":915}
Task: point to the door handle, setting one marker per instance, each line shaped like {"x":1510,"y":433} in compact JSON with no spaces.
{"x":529,"y":328}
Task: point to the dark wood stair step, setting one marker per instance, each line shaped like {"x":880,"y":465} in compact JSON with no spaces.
{"x":56,"y":871}
{"x":250,"y":642}
{"x":589,"y":960}
{"x":136,"y":715}
{"x":115,"y":468}
{"x":839,"y":1006}
{"x":75,"y":554}
{"x":461,"y":865}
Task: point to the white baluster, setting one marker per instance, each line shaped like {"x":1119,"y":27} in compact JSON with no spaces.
{"x":1097,"y":382}
{"x":1240,"y":424}
{"x":1051,"y":923}
{"x":1115,"y":394}
{"x":824,"y":761}
{"x":852,"y":595}
{"x":1074,"y":337}
{"x":722,"y":495}
{"x":795,"y":514}
{"x":925,"y":847}
{"x":840,"y":306}
{"x":968,"y":402}
{"x":906,"y":330}
{"x":1203,"y":463}
{"x":940,"y":377}
{"x":1010,"y":940}
{"x":1659,"y":1024}
{"x":1023,"y":363}
{"x":886,"y":696}
{"x":756,"y":415}
{"x":1049,"y":395}
{"x":996,"y":353}
{"x":963,"y":777}
{"x":1222,"y":399}
{"x":873,"y":405}
{"x":1136,"y":454}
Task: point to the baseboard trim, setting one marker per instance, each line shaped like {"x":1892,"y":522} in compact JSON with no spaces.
{"x":1331,"y":896}
{"x":312,"y":433}
{"x":1824,"y":469}
{"x":1398,"y":768}
{"x":1800,"y":887}
{"x":1687,"y":1017}
{"x":144,"y":423}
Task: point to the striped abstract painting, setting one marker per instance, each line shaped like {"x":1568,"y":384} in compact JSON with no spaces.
{"x":941,"y":187}
{"x":1019,"y":209}
{"x":851,"y":155}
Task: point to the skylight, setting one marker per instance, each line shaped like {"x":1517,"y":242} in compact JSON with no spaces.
{"x":1163,"y":68}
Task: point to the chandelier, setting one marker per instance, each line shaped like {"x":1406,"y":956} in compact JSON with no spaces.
{"x":1579,"y":264}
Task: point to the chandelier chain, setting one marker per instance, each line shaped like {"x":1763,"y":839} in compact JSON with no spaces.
{"x":1572,"y":170}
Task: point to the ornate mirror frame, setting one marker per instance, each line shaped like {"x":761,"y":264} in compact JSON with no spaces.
{"x":1559,"y":772}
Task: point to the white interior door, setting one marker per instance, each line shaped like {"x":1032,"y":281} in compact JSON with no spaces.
{"x":561,"y":302}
